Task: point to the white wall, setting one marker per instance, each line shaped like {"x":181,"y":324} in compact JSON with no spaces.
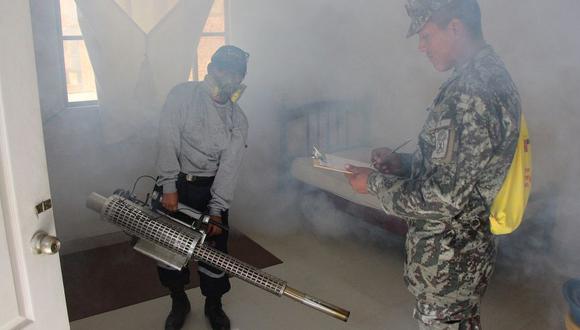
{"x":304,"y":51}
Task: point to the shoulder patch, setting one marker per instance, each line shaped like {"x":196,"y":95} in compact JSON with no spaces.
{"x":444,"y":140}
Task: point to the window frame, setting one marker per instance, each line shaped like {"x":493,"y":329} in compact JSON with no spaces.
{"x":62,"y":38}
{"x":225,"y":34}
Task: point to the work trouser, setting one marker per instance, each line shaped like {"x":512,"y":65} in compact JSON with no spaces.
{"x":213,"y":282}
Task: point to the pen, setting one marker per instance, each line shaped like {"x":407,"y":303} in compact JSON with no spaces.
{"x":400,"y":146}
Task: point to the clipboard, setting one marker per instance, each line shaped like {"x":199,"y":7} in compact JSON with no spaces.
{"x":334,"y":163}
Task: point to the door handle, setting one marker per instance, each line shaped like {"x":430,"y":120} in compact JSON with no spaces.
{"x":43,"y":243}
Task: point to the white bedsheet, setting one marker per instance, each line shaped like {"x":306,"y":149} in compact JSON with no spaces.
{"x":333,"y":182}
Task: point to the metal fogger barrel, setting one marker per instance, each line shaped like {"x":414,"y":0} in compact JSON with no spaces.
{"x":174,"y":244}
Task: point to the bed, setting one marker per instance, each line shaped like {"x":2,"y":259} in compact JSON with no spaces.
{"x":339,"y":127}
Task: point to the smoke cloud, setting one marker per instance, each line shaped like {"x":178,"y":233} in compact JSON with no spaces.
{"x":306,"y":51}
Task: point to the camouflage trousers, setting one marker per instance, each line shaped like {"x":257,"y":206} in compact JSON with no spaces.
{"x":448,"y":274}
{"x":432,"y":317}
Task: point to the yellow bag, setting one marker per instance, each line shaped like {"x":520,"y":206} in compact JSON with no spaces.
{"x":510,"y":203}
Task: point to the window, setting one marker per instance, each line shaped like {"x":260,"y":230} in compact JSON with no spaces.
{"x":80,"y":78}
{"x":213,"y":37}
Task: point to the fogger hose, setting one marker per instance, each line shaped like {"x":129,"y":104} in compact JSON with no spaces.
{"x":143,"y":223}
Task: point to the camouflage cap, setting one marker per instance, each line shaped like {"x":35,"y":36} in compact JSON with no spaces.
{"x":420,"y":11}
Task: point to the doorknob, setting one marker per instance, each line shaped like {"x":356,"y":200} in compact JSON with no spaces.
{"x":43,"y":243}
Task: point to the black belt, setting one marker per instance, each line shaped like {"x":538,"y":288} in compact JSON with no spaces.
{"x":196,"y":179}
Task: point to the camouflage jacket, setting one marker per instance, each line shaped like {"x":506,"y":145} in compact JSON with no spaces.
{"x":464,"y":151}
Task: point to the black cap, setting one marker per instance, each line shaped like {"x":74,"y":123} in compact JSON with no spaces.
{"x":230,"y":58}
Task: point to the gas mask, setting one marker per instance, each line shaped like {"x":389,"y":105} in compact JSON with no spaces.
{"x":232,"y":91}
{"x":223,"y":90}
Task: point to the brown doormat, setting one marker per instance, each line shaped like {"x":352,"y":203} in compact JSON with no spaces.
{"x":110,"y":277}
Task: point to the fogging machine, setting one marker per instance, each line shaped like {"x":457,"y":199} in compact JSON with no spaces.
{"x":177,"y":237}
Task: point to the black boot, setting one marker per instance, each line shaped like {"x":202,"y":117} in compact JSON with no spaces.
{"x":180,"y":307}
{"x":214,"y":312}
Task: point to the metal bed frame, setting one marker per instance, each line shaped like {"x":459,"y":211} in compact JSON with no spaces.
{"x":334,"y":126}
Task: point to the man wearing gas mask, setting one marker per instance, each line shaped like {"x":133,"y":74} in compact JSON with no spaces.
{"x":202,"y":140}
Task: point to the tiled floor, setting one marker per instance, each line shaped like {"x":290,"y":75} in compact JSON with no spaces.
{"x":361,"y":276}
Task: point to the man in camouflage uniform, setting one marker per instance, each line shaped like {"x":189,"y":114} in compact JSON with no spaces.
{"x":443,"y":190}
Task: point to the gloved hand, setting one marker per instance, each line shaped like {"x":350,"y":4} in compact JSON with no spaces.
{"x":213,"y":230}
{"x":170,"y":201}
{"x":386,"y":162}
